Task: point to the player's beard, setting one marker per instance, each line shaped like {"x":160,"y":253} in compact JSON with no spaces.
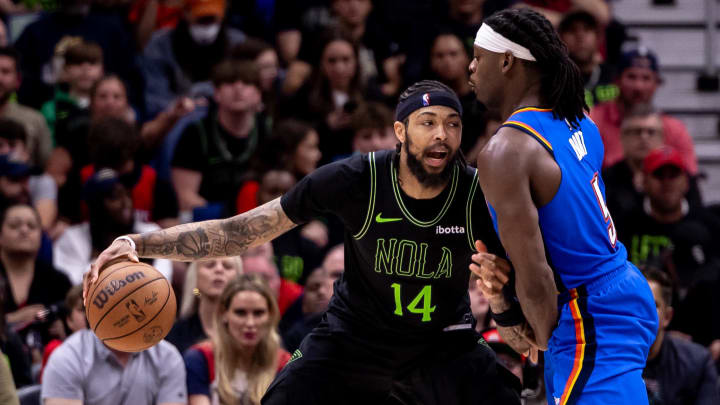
{"x":427,"y":179}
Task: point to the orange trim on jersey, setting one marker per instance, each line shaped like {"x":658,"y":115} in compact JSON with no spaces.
{"x":532,"y":131}
{"x":530,"y":109}
{"x":579,"y":347}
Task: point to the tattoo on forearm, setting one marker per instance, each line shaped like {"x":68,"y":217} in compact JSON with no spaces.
{"x":217,"y":238}
{"x":516,"y":336}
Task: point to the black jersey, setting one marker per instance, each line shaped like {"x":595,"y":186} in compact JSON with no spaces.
{"x":406,"y":260}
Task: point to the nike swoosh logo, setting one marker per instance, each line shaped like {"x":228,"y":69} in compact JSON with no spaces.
{"x":381,"y":220}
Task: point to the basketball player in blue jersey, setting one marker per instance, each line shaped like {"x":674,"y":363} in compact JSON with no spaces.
{"x":578,"y":298}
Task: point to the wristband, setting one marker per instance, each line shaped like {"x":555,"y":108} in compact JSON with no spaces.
{"x":128,"y":239}
{"x":512,"y":317}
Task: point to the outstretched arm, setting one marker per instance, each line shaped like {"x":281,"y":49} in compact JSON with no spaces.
{"x":505,"y":167}
{"x":216,"y":238}
{"x":199,"y":240}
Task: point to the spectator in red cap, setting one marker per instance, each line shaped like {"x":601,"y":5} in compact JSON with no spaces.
{"x":638,"y":79}
{"x":667,"y":221}
{"x":641,"y":132}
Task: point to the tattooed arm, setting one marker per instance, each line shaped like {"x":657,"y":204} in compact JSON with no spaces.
{"x":216,"y":238}
{"x":199,"y":240}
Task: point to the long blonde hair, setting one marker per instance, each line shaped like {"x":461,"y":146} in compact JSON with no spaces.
{"x":263,"y":364}
{"x":190,"y":300}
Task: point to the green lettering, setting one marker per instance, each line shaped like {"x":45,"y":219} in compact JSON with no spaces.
{"x":421,"y":262}
{"x":445,"y":266}
{"x":400,"y":267}
{"x":385,"y":257}
{"x":425,"y":295}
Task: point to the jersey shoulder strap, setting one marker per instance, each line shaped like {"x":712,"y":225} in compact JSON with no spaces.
{"x":529,"y":120}
{"x":371,"y":197}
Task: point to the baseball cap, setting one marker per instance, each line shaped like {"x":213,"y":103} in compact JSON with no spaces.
{"x":577,"y":16}
{"x":13,"y":168}
{"x":641,"y":57}
{"x":100,"y":184}
{"x":664,"y":156}
{"x":495,"y":341}
{"x":204,"y":8}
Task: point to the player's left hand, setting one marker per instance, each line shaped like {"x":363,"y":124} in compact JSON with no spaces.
{"x":492,"y":270}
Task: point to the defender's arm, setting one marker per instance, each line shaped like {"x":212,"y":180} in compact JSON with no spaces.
{"x":505,"y":167}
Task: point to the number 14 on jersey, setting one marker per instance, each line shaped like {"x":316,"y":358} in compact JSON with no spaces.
{"x":425,"y":295}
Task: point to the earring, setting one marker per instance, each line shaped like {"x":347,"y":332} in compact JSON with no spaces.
{"x":196,"y":292}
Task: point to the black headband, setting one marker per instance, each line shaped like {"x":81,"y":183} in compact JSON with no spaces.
{"x":420,"y":100}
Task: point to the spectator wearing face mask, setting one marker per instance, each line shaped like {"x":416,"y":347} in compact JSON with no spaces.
{"x":179,"y":61}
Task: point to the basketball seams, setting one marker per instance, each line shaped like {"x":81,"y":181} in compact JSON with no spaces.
{"x":167,"y":299}
{"x":123,"y":299}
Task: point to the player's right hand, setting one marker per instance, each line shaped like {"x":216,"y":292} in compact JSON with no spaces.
{"x":491,"y":270}
{"x":118,"y":249}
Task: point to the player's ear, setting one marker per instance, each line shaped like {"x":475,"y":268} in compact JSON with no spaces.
{"x":507,"y":61}
{"x":668,"y":316}
{"x":399,"y":129}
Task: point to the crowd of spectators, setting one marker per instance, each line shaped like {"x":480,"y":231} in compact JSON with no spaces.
{"x":122,"y":116}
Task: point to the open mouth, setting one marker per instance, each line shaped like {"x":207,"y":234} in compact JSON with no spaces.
{"x":436,"y":157}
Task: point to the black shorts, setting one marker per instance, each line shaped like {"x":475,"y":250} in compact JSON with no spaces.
{"x":333,"y":367}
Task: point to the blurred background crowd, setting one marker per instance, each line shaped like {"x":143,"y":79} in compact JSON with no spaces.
{"x":123,"y":116}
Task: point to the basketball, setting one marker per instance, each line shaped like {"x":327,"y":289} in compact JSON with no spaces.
{"x":131,"y":307}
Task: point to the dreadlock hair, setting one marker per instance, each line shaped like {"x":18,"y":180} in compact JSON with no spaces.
{"x":561,"y":83}
{"x":425,"y":86}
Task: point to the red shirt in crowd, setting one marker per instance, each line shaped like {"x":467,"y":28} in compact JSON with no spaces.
{"x":288,"y":293}
{"x":608,"y":118}
{"x":167,"y":15}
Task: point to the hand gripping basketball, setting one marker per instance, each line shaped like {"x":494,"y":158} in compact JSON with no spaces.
{"x":119,"y":250}
{"x":131,"y":307}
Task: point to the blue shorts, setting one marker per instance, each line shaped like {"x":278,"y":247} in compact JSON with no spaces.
{"x":597,"y":353}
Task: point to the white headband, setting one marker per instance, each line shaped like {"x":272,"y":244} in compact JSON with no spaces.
{"x":488,"y":39}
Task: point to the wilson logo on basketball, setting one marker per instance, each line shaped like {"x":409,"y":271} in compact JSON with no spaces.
{"x":114,"y":286}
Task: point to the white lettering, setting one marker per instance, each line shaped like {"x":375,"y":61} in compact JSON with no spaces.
{"x":577,"y":141}
{"x":439,"y":230}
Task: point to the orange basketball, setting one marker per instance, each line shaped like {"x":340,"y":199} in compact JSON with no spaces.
{"x":131,"y":307}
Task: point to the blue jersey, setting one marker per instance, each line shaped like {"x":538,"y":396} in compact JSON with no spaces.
{"x":577,"y":229}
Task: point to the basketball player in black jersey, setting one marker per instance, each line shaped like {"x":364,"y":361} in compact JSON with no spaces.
{"x":398,"y":329}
